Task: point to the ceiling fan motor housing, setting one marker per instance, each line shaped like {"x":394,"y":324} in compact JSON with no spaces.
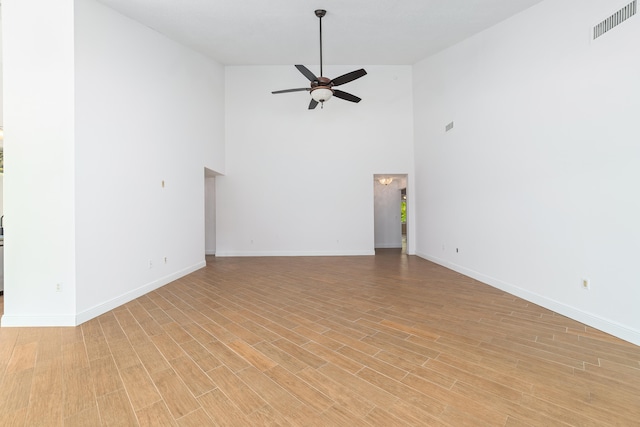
{"x":321,"y":89}
{"x":320,"y":82}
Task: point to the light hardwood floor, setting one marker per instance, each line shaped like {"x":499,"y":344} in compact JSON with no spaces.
{"x":324,"y":341}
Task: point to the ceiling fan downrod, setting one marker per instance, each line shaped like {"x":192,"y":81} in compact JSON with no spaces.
{"x":320,"y":14}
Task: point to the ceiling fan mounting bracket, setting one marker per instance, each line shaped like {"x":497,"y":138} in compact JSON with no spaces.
{"x":320,"y":13}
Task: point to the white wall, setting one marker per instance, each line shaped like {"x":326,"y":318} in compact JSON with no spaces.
{"x":298,"y":182}
{"x":388,"y":227}
{"x":1,"y":115}
{"x":100,"y":111}
{"x":148,"y":111}
{"x":1,"y":68}
{"x":39,"y":150}
{"x":537,"y":184}
{"x":1,"y":195}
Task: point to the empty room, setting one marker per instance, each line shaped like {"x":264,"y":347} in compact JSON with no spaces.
{"x":366,"y":213}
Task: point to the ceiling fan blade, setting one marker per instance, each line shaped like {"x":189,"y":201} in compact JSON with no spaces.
{"x":346,"y":96}
{"x":300,"y":89}
{"x":306,"y":72}
{"x":313,"y":104}
{"x":346,"y":78}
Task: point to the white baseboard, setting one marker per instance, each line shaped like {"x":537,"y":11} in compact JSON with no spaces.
{"x":37,"y":321}
{"x":135,"y":293}
{"x":606,"y":325}
{"x":293,"y":253}
{"x":389,"y":246}
{"x":71,"y":320}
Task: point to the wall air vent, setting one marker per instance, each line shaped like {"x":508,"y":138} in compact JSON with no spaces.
{"x":616,"y":19}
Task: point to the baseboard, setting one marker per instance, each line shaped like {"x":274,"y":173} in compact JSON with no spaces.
{"x":135,"y":293}
{"x":221,"y":254}
{"x":389,"y":246}
{"x":37,"y":321}
{"x":606,"y":325}
{"x":211,"y":252}
{"x":75,"y":320}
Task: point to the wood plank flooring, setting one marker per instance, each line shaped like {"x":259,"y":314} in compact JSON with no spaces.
{"x":323,"y":341}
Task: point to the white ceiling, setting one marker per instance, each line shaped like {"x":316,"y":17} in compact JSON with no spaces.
{"x":279,"y":32}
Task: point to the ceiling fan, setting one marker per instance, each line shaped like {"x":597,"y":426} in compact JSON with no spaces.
{"x":322,"y":88}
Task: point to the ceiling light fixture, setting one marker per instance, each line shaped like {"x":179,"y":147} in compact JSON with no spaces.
{"x":321,"y":93}
{"x":385,"y":181}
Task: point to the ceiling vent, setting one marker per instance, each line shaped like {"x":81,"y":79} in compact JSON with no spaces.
{"x":616,"y":19}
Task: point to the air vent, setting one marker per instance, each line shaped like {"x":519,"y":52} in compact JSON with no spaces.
{"x":616,"y":19}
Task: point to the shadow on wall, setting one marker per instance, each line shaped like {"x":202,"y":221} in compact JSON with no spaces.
{"x":210,"y":211}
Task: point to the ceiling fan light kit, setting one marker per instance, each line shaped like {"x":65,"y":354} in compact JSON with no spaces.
{"x":322,"y":88}
{"x":321,"y":94}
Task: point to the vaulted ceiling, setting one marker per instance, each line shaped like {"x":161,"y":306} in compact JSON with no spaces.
{"x":281,"y":32}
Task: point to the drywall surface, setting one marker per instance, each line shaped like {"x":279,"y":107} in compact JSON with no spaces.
{"x":149,"y":119}
{"x":111,"y":127}
{"x":39,"y":150}
{"x":536,"y":186}
{"x":299,"y":181}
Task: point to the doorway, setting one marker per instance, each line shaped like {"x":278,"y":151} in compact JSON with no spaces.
{"x":390,"y":212}
{"x":210,"y":211}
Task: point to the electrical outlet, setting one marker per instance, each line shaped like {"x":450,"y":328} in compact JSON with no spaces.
{"x":165,"y":260}
{"x":58,"y":287}
{"x":586,"y":285}
{"x":150,"y":264}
